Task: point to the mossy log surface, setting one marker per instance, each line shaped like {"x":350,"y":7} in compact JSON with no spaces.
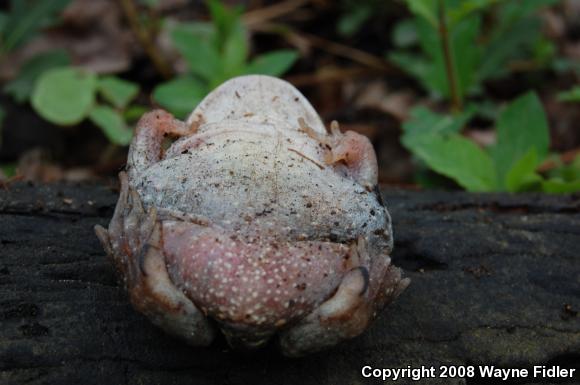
{"x":495,"y":281}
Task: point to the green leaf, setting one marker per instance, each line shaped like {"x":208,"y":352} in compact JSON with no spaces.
{"x":180,"y":95}
{"x":485,"y":108}
{"x":465,"y":55}
{"x":566,"y":172}
{"x":564,"y":65}
{"x":150,"y":3}
{"x":572,"y":95}
{"x":112,"y":124}
{"x":423,"y":121}
{"x":133,"y":113}
{"x":513,"y":11}
{"x":427,"y":9}
{"x":235,"y":52}
{"x":3,"y":22}
{"x":415,"y":65}
{"x":467,"y":7}
{"x":351,"y":21}
{"x":274,"y":63}
{"x":405,"y":33}
{"x":117,"y":91}
{"x":201,"y":56}
{"x":22,"y":86}
{"x":26,"y":18}
{"x":65,"y":95}
{"x":523,"y":173}
{"x":559,"y":186}
{"x":520,"y":127}
{"x":543,"y":50}
{"x":9,"y":169}
{"x":506,"y":44}
{"x":457,"y":158}
{"x":225,"y":20}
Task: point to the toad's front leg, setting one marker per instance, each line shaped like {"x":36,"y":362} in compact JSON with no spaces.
{"x":134,"y":240}
{"x":147,"y":146}
{"x":350,"y":149}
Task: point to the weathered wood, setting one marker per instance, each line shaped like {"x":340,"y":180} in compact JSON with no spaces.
{"x":496,"y":280}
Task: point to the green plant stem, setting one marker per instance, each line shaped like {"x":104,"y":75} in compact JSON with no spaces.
{"x":456,"y":97}
{"x":146,"y":38}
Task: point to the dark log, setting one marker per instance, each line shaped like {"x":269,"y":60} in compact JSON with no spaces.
{"x":495,"y":281}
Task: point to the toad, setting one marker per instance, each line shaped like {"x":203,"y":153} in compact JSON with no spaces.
{"x":255,"y":221}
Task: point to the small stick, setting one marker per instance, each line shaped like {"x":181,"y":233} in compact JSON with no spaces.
{"x":457,"y":103}
{"x":145,"y":38}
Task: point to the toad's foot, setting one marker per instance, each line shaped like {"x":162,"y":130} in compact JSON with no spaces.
{"x":134,"y":242}
{"x":350,"y":310}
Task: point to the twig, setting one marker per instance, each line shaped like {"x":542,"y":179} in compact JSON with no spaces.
{"x":456,"y":98}
{"x":326,"y":75}
{"x":268,"y":13}
{"x":354,"y":54}
{"x":146,"y":39}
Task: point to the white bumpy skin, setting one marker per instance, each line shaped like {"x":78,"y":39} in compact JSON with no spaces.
{"x":256,"y":221}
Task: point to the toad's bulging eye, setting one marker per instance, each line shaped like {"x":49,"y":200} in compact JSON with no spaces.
{"x":255,"y":216}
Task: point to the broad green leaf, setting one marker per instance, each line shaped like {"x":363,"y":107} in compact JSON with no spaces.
{"x":26,"y":18}
{"x":457,"y":158}
{"x":572,"y":95}
{"x":117,"y":91}
{"x":559,"y":186}
{"x":65,"y":95}
{"x":520,"y":127}
{"x":21,"y":87}
{"x":523,"y":173}
{"x":423,"y":121}
{"x":427,"y":9}
{"x":201,"y":56}
{"x":112,"y":124}
{"x":274,"y":63}
{"x":180,"y":95}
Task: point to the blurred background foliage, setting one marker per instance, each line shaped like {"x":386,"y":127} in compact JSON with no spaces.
{"x":481,"y":95}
